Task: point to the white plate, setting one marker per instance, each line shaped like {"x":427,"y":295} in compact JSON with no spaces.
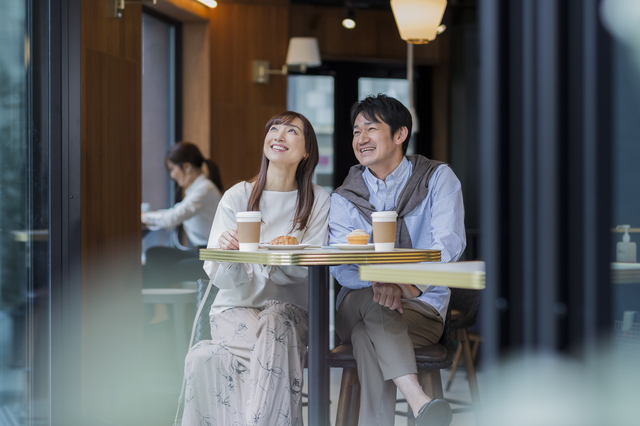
{"x":284,"y":247}
{"x":369,"y":246}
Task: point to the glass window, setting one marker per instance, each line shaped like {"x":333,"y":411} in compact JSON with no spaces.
{"x":392,"y":87}
{"x":626,"y":194}
{"x":312,"y":96}
{"x":24,"y":247}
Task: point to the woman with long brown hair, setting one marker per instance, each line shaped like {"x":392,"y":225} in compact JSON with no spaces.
{"x":250,"y":372}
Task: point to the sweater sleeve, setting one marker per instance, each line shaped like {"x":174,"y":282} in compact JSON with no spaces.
{"x":224,"y":274}
{"x":185,"y":209}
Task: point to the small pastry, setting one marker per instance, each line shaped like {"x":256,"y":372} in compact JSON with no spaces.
{"x":284,"y":240}
{"x":358,"y":236}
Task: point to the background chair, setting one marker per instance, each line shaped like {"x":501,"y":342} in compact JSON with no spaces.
{"x":429,"y":360}
{"x":464,"y":306}
{"x":178,"y":298}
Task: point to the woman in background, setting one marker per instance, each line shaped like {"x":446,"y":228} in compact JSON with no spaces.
{"x":250,"y":372}
{"x":168,"y":266}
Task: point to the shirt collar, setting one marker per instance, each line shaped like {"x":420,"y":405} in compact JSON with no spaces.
{"x":397,"y":176}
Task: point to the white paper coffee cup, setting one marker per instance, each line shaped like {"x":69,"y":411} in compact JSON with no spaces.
{"x":384,"y":230}
{"x":249,"y":230}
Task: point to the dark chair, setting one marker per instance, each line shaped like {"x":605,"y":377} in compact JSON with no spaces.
{"x":430,"y":360}
{"x":464,"y":306}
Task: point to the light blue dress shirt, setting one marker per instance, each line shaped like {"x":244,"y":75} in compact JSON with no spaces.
{"x":437,"y":223}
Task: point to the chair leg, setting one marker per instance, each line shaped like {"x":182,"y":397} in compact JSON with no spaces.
{"x":454,"y":367}
{"x":431,"y":383}
{"x":471,"y":370}
{"x":349,"y":400}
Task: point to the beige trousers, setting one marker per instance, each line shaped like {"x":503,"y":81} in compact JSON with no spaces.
{"x":383,"y":341}
{"x":250,"y":372}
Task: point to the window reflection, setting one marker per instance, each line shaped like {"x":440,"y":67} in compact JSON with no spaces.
{"x":312,"y":96}
{"x":618,"y":17}
{"x":24,"y":267}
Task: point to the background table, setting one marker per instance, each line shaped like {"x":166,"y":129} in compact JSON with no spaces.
{"x":318,"y":260}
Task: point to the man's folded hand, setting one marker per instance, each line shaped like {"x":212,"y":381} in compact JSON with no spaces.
{"x":388,"y":295}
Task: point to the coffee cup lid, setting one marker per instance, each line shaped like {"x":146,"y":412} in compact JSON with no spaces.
{"x":248,"y":215}
{"x":384,"y":214}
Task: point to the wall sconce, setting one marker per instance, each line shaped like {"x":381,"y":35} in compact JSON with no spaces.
{"x":303,"y":52}
{"x":209,"y":3}
{"x":116,"y":7}
{"x":418,"y":20}
{"x":349,"y":21}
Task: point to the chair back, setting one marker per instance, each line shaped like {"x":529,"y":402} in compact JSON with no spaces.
{"x":203,"y":327}
{"x":467,"y":302}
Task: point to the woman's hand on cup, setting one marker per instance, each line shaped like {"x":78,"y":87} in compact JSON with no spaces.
{"x":229,"y":240}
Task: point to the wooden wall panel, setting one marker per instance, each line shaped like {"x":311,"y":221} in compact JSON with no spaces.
{"x":240,"y":33}
{"x":196,"y":90}
{"x":375,"y":37}
{"x":111,"y":196}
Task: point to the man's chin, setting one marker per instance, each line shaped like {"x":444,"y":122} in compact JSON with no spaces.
{"x":365,"y":161}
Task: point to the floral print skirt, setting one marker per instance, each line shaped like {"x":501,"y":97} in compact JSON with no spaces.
{"x":250,"y":372}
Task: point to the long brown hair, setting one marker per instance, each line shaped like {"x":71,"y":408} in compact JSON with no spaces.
{"x":304,"y":172}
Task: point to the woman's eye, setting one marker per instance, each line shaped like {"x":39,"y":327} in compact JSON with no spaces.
{"x":273,"y":128}
{"x":292,"y":131}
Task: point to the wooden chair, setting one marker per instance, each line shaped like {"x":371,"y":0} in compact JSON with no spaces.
{"x":429,"y":360}
{"x":464,"y":306}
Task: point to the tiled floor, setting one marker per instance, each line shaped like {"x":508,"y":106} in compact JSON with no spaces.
{"x":459,"y":391}
{"x":161,"y":383}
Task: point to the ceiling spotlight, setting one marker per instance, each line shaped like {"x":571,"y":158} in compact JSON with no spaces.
{"x":349,"y":21}
{"x":442,"y":28}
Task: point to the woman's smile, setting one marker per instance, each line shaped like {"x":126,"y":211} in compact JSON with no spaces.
{"x":284,"y":143}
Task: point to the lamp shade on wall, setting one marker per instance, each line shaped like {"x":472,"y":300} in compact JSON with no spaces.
{"x":418,"y":20}
{"x":303,"y":52}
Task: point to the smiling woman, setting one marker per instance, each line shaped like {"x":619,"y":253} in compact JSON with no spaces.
{"x":276,"y":172}
{"x":259,"y":320}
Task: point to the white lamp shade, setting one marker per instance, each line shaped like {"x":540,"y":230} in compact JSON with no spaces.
{"x":418,"y":20}
{"x":304,"y":51}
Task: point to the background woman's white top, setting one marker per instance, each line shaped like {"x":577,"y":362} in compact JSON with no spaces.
{"x":248,"y":285}
{"x":195,"y":211}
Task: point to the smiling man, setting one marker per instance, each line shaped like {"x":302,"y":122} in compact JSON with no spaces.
{"x":386,"y":321}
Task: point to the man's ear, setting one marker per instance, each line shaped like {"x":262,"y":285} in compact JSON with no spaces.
{"x":401,"y":135}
